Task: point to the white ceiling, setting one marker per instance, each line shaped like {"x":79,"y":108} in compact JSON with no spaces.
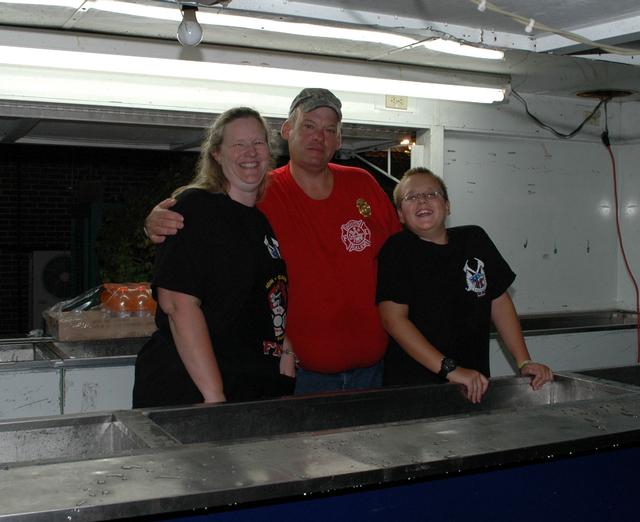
{"x":538,"y":62}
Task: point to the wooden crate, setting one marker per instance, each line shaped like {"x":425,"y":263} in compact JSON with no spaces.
{"x":97,"y":324}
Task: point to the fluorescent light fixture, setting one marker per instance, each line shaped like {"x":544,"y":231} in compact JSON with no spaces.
{"x":258,"y":24}
{"x":74,"y":4}
{"x":245,"y":74}
{"x":454,"y":47}
{"x":277,"y":26}
{"x":313,"y":30}
{"x":300,"y":29}
{"x":132,"y":9}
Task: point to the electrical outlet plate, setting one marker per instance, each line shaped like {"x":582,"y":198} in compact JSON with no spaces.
{"x":399,"y":103}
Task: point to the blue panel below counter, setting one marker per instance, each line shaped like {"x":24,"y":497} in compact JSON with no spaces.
{"x":590,"y":488}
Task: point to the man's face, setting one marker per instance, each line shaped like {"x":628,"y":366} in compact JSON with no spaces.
{"x":313,"y":137}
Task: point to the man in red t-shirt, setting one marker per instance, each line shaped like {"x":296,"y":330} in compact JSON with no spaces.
{"x":331,"y":222}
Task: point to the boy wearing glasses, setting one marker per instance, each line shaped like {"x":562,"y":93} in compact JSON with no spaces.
{"x":438,"y":291}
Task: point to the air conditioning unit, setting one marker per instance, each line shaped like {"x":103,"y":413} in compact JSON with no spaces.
{"x":50,"y":279}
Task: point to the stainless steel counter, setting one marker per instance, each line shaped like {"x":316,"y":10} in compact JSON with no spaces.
{"x":573,"y":322}
{"x":621,"y":374}
{"x":154,"y":461}
{"x":43,"y":376}
{"x":91,"y":353}
{"x":30,"y":377}
{"x":25,"y":352}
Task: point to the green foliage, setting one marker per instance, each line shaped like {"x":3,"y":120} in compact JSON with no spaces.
{"x":125,"y":255}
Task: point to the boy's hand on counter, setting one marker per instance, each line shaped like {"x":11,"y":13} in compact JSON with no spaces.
{"x":474,"y":382}
{"x":539,"y":373}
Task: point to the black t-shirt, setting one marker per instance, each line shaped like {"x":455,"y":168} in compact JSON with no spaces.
{"x":228,"y":257}
{"x":449,"y":289}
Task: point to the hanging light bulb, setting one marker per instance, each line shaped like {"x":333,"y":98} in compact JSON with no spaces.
{"x":189,"y":30}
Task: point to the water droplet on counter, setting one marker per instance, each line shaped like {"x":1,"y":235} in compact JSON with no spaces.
{"x":130,"y":466}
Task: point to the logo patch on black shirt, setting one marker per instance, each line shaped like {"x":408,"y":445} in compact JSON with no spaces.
{"x":272,"y":246}
{"x":476,"y":277}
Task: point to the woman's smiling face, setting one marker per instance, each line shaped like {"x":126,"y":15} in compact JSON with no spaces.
{"x":244,"y":157}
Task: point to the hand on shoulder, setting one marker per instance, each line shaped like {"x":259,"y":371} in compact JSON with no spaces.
{"x":162,"y":222}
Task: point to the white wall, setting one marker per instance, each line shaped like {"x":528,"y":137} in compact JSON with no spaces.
{"x":571,"y":351}
{"x":542,"y":203}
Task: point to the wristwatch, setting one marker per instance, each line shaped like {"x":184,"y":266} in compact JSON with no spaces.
{"x":447,"y":366}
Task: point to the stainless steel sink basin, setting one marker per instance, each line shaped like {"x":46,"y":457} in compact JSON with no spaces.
{"x":227,"y":422}
{"x":622,"y":374}
{"x":64,"y":438}
{"x":96,"y":436}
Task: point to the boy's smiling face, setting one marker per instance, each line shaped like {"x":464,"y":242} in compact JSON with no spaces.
{"x":423,"y":209}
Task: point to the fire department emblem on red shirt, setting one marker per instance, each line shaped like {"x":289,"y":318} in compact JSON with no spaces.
{"x":356,"y":235}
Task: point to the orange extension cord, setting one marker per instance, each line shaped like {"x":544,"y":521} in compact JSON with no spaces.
{"x":605,"y":141}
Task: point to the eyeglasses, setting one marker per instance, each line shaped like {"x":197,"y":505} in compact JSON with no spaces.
{"x":414,"y":197}
{"x":243,"y":146}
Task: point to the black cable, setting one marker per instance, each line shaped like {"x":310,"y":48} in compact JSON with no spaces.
{"x":605,"y":133}
{"x":549,"y":128}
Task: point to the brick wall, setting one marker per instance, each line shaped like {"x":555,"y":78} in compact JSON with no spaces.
{"x":45,"y":194}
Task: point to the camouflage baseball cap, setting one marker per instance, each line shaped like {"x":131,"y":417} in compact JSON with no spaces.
{"x":310,"y":99}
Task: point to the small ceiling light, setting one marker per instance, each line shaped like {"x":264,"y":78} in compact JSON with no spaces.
{"x":189,"y":30}
{"x":405,"y":142}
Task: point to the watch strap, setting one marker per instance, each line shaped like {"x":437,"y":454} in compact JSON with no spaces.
{"x":446,"y":367}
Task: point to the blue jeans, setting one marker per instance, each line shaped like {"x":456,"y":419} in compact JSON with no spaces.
{"x":314,"y":382}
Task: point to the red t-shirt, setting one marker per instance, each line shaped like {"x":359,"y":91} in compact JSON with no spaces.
{"x":331,"y":248}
